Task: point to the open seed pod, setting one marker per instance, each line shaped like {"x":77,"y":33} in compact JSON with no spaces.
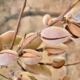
{"x":58,"y":62}
{"x":58,"y":23}
{"x":7,"y":56}
{"x":32,"y":45}
{"x":31,"y":56}
{"x":46,"y":19}
{"x":7,"y":37}
{"x":56,"y":49}
{"x":54,"y":35}
{"x":74,"y":31}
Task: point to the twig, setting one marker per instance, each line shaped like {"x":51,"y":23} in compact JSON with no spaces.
{"x":3,"y":76}
{"x":64,"y":13}
{"x":18,"y":24}
{"x":21,"y":66}
{"x":66,"y":56}
{"x":50,"y":64}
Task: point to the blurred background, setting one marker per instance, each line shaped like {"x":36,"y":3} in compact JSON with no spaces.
{"x":32,"y":22}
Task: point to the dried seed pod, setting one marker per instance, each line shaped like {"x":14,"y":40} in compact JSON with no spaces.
{"x":46,"y":19}
{"x":74,"y":31}
{"x":31,"y":57}
{"x":58,"y":62}
{"x":7,"y":56}
{"x":32,"y":45}
{"x":56,"y":49}
{"x":7,"y":37}
{"x":54,"y":35}
{"x":35,"y":69}
{"x":58,"y":23}
{"x":45,"y":71}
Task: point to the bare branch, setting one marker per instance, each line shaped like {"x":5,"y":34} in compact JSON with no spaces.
{"x":18,"y":24}
{"x":64,"y":13}
{"x":3,"y":76}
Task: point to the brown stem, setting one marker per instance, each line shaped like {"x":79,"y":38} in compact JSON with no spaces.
{"x":18,"y":24}
{"x":3,"y":76}
{"x":64,"y":13}
{"x":50,"y":64}
{"x":21,"y":66}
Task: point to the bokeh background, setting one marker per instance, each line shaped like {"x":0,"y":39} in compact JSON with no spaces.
{"x":32,"y":22}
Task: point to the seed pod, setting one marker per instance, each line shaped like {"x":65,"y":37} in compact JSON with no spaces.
{"x":7,"y":37}
{"x":45,"y":71}
{"x":46,"y":19}
{"x":58,"y":62}
{"x":31,"y":57}
{"x":58,"y":23}
{"x":7,"y":56}
{"x":74,"y":31}
{"x":54,"y":35}
{"x":35,"y":69}
{"x":56,"y":49}
{"x":32,"y":45}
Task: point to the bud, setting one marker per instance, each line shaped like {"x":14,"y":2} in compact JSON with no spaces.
{"x":7,"y":37}
{"x":31,"y":56}
{"x":7,"y":56}
{"x":58,"y":62}
{"x":46,"y":19}
{"x":32,"y":45}
{"x":56,"y":49}
{"x":54,"y":35}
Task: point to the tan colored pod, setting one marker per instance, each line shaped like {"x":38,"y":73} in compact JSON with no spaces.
{"x":58,"y":62}
{"x":58,"y":23}
{"x":46,"y":19}
{"x":45,"y":71}
{"x":31,"y":56}
{"x":7,"y":37}
{"x":35,"y":69}
{"x":56,"y":49}
{"x":73,"y":29}
{"x":7,"y":56}
{"x":32,"y":45}
{"x":54,"y":35}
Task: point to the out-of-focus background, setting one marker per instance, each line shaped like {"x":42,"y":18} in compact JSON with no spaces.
{"x":32,"y":21}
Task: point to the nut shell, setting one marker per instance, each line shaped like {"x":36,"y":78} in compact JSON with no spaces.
{"x":58,"y":62}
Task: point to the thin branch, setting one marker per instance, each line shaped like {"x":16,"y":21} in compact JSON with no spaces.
{"x":64,"y":13}
{"x":50,"y":64}
{"x":3,"y":76}
{"x":21,"y":66}
{"x":18,"y":24}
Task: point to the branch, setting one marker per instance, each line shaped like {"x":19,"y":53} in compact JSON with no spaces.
{"x":64,"y":13}
{"x":50,"y":64}
{"x":4,"y":76}
{"x":18,"y":24}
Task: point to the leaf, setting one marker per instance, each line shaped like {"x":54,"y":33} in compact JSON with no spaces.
{"x":45,"y":71}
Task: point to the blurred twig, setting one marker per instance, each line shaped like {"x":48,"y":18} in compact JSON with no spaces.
{"x":18,"y":24}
